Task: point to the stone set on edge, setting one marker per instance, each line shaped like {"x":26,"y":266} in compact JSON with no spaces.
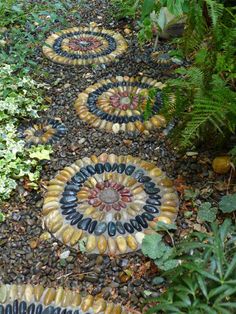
{"x":108,"y":201}
{"x":118,"y":104}
{"x":22,"y":299}
{"x":84,"y":45}
{"x":42,"y":131}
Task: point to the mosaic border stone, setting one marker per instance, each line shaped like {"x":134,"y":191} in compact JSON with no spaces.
{"x":161,"y":57}
{"x":73,"y":209}
{"x":116,"y":104}
{"x":96,"y":45}
{"x":42,"y":131}
{"x":30,"y":299}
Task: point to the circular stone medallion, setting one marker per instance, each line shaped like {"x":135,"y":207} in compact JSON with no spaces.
{"x":22,"y":299}
{"x":84,"y":45}
{"x":108,"y":202}
{"x":42,"y":131}
{"x":122,"y":104}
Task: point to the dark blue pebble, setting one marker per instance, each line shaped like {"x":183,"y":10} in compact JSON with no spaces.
{"x":57,"y":310}
{"x":129,"y":170}
{"x":31,"y":308}
{"x":1,"y":309}
{"x":69,"y":205}
{"x":111,"y":228}
{"x":76,"y":219}
{"x":149,"y":185}
{"x":99,"y":168}
{"x":78,"y":178}
{"x":84,"y":223}
{"x":151,"y":190}
{"x":114,"y":167}
{"x":144,"y":179}
{"x":92,"y":226}
{"x":8,"y":309}
{"x":68,"y":211}
{"x":84,"y":172}
{"x":77,"y":312}
{"x":68,"y":199}
{"x":120,"y":228}
{"x":91,"y":169}
{"x":63,"y":311}
{"x":15,"y":307}
{"x":48,"y":310}
{"x":72,"y":216}
{"x":39,"y":309}
{"x":69,"y":193}
{"x":151,"y":209}
{"x":128,"y":227}
{"x":155,"y":196}
{"x":152,"y":201}
{"x":73,"y":187}
{"x":121,"y":168}
{"x":107,"y":167}
{"x":141,"y":221}
{"x":22,"y":307}
{"x":69,"y":312}
{"x":148,"y":216}
{"x":135,"y":224}
{"x":138,"y":174}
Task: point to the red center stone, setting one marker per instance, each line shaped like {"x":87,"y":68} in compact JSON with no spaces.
{"x":84,"y":43}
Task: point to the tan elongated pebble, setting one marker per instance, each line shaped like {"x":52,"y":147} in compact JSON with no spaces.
{"x":3,"y":293}
{"x":153,"y":224}
{"x":166,"y":182}
{"x":67,"y":234}
{"x":156,"y":122}
{"x":56,"y":225}
{"x":156,"y":172}
{"x":102,"y":244}
{"x":103,"y":157}
{"x":132,"y":243}
{"x":76,"y":300}
{"x":139,"y":125}
{"x":94,"y":159}
{"x":75,"y":237}
{"x":20,"y":292}
{"x":121,"y":244}
{"x":169,"y":209}
{"x":87,"y":303}
{"x":67,"y":298}
{"x":169,"y":215}
{"x":136,"y":190}
{"x":112,"y":245}
{"x":29,"y":293}
{"x":99,"y":306}
{"x":170,"y":196}
{"x":47,"y":208}
{"x":49,"y":296}
{"x":38,"y":291}
{"x":59,"y":296}
{"x":91,"y":243}
{"x":164,"y":219}
{"x":131,"y":212}
{"x":117,"y":309}
{"x":13,"y":292}
{"x":89,"y":211}
{"x":109,"y":308}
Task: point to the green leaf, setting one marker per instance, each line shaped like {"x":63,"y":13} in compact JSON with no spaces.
{"x":162,"y":226}
{"x":152,"y":246}
{"x":147,"y":8}
{"x":228,"y":203}
{"x":207,"y":213}
{"x":2,"y":217}
{"x":40,"y":152}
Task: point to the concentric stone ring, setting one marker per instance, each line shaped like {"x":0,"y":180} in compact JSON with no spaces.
{"x":84,"y":45}
{"x":42,"y":131}
{"x":22,"y":299}
{"x":108,"y":201}
{"x":118,"y":104}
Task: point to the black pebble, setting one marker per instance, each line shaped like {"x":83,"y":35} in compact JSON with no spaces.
{"x":22,"y":307}
{"x":68,"y":199}
{"x":149,"y":185}
{"x":57,"y":310}
{"x":128,"y":227}
{"x":8,"y":309}
{"x":76,"y":219}
{"x":92,"y":226}
{"x":141,"y":221}
{"x":145,"y":179}
{"x":121,"y":168}
{"x":73,"y":187}
{"x":148,"y":216}
{"x":111,"y":228}
{"x":48,"y":310}
{"x":135,"y":224}
{"x":120,"y":228}
{"x":1,"y":309}
{"x":107,"y":167}
{"x":84,"y":223}
{"x":155,"y":196}
{"x":151,"y":190}
{"x":99,"y":168}
{"x":91,"y":169}
{"x":39,"y":309}
{"x":31,"y":308}
{"x":15,"y":307}
{"x":151,"y":209}
{"x":151,"y":201}
{"x":78,"y":178}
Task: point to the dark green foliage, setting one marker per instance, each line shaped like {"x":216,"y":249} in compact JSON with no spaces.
{"x":228,"y":203}
{"x":204,"y":278}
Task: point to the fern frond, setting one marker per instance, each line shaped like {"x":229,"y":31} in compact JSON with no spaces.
{"x":215,"y":10}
